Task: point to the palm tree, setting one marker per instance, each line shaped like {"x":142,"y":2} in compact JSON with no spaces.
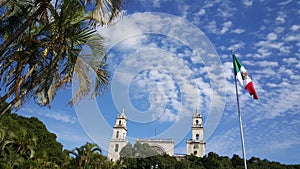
{"x":87,"y":156}
{"x":44,"y":56}
{"x":16,"y":148}
{"x":31,"y":9}
{"x":19,"y":15}
{"x":104,"y":12}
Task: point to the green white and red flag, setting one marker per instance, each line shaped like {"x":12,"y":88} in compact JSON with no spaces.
{"x":242,"y":75}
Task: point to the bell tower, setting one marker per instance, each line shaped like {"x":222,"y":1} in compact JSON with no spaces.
{"x":118,"y":138}
{"x":196,"y":145}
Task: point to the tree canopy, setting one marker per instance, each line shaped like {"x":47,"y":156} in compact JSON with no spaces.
{"x":42,"y":44}
{"x":139,"y":150}
{"x":210,"y":161}
{"x":26,"y":139}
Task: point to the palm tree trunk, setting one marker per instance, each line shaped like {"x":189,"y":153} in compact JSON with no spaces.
{"x":24,"y":26}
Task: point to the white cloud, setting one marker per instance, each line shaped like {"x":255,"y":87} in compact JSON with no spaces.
{"x":226,"y":27}
{"x":201,"y":12}
{"x":239,"y":45}
{"x":291,"y":38}
{"x":271,"y":36}
{"x":278,"y":103}
{"x":211,"y":27}
{"x":248,"y":3}
{"x":280,"y":19}
{"x":50,"y":114}
{"x":238,"y":31}
{"x":295,"y":27}
{"x":162,"y":80}
{"x":269,"y":44}
{"x":164,"y":73}
{"x":271,"y":84}
{"x":208,"y":4}
{"x":59,"y":117}
{"x":266,"y":63}
{"x":279,"y":29}
{"x":263,"y":52}
{"x":285,"y":3}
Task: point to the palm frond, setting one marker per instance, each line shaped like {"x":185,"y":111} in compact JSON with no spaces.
{"x":105,"y":11}
{"x":85,"y":81}
{"x":47,"y":54}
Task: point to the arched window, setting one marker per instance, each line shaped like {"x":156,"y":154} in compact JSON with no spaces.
{"x":195,"y":152}
{"x":117,"y":135}
{"x":197,"y":122}
{"x":117,"y":148}
{"x":119,"y":122}
{"x":197,"y":137}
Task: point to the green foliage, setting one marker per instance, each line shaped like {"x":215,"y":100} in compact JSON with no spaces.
{"x":41,"y":45}
{"x":194,"y":162}
{"x":237,"y":162}
{"x":210,"y":161}
{"x":127,"y":151}
{"x":89,"y":156}
{"x":139,"y":150}
{"x":46,"y":146}
{"x":26,"y":139}
{"x":47,"y":53}
{"x":143,"y":150}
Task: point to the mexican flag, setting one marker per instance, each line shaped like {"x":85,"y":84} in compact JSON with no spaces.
{"x":242,"y":75}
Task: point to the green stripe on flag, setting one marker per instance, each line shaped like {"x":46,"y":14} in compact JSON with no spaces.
{"x":237,"y":65}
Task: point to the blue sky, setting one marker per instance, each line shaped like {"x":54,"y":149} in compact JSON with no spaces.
{"x":168,"y":58}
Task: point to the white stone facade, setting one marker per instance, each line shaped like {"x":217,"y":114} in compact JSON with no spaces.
{"x":195,"y":146}
{"x":118,"y":138}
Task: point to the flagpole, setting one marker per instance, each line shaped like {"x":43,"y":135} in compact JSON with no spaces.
{"x":240,"y":117}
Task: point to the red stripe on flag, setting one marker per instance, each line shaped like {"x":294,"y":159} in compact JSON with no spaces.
{"x":251,"y":90}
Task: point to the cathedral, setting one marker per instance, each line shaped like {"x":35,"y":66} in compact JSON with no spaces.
{"x":194,"y":146}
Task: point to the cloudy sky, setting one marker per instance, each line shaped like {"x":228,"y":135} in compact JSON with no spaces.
{"x":169,"y":58}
